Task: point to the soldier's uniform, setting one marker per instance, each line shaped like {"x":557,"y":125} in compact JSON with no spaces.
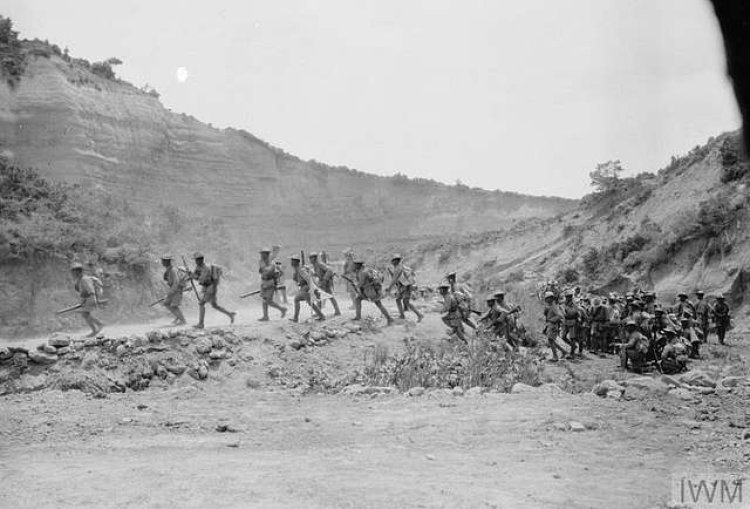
{"x":553,"y":318}
{"x":722,"y":318}
{"x":350,"y":272}
{"x":690,"y":338}
{"x":570,"y":330}
{"x":279,"y":283}
{"x":208,"y":277}
{"x":325,"y":276}
{"x":683,"y":306}
{"x":403,"y":281}
{"x":636,"y":348}
{"x":303,"y":276}
{"x":463,"y":294}
{"x":175,"y":280}
{"x":85,"y":286}
{"x":674,"y":355}
{"x":270,"y":274}
{"x":599,"y":324}
{"x":702,"y":314}
{"x":369,"y":287}
{"x":453,"y":314}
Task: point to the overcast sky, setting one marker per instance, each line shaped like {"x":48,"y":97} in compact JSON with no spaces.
{"x":518,"y":95}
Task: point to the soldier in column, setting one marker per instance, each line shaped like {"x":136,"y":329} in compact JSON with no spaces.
{"x":280,"y":284}
{"x":84,"y":286}
{"x":208,"y":277}
{"x":269,"y":278}
{"x":369,"y":287}
{"x":325,"y":275}
{"x":175,"y":279}
{"x":303,"y":276}
{"x":403,"y":280}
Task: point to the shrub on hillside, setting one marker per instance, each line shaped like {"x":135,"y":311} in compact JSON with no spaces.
{"x":734,"y":164}
{"x":12,"y":58}
{"x":568,"y":276}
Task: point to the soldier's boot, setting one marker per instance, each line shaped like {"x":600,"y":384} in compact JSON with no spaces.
{"x":90,"y":321}
{"x":201,"y":317}
{"x":384,"y":311}
{"x":272,"y":304}
{"x":336,"y":310}
{"x":318,"y":313}
{"x":400,"y":307}
{"x":230,"y":314}
{"x":296,"y":312}
{"x":180,"y":317}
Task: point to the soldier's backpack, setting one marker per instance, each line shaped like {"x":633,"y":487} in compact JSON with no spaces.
{"x":408,"y":276}
{"x":216,"y":273}
{"x":376,"y":278}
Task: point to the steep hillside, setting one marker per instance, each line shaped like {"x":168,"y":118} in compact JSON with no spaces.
{"x":75,"y":125}
{"x":682,"y":228}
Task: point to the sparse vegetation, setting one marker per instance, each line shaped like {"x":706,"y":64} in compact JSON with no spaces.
{"x":12,"y":57}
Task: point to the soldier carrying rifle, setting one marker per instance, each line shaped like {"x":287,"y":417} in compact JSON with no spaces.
{"x":269,"y":277}
{"x":86,"y":287}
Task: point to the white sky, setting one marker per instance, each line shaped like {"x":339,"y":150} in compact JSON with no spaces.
{"x":518,"y":95}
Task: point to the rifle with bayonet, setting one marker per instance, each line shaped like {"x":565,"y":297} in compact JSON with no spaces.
{"x":165,"y":298}
{"x":354,"y":285}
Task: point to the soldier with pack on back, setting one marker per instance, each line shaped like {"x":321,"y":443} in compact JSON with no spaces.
{"x":703,"y":313}
{"x":208,"y":277}
{"x":175,"y":279}
{"x":464,"y":297}
{"x":89,"y":294}
{"x":571,"y":325}
{"x":280,"y":284}
{"x":303,"y":276}
{"x":369,"y":286}
{"x":721,"y":318}
{"x":270,"y":274}
{"x":403,"y":280}
{"x":324,"y":274}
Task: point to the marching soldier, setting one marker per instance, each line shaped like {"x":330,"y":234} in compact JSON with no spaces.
{"x":269,"y":277}
{"x":369,"y":287}
{"x":403,"y":280}
{"x":325,"y":275}
{"x":280,"y":285}
{"x":683,"y":306}
{"x":175,"y":282}
{"x":86,"y":289}
{"x":350,"y":272}
{"x":453,"y":317}
{"x":570,"y":329}
{"x":208,"y":277}
{"x":702,"y":313}
{"x":553,"y":317}
{"x":462,"y":292}
{"x":303,"y":276}
{"x":721,"y":317}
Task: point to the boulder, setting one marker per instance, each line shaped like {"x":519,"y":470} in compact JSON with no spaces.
{"x":121,"y":350}
{"x":47,"y":348}
{"x":154,"y":336}
{"x":474,"y":392}
{"x":5,"y":353}
{"x":605,"y":387}
{"x":217,"y":342}
{"x":176,"y":369}
{"x":217,"y":354}
{"x":63,"y":351}
{"x":457,"y":391}
{"x":42,"y":358}
{"x":734,"y":381}
{"x":59,"y":340}
{"x":203,"y":346}
{"x":20,"y":360}
{"x":647,"y":384}
{"x":416,"y":391}
{"x":698,"y":378}
{"x":91,"y":342}
{"x":671,"y":381}
{"x":354,"y":389}
{"x":202,"y":372}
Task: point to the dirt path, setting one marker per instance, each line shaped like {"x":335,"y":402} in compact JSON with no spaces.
{"x":161,"y":449}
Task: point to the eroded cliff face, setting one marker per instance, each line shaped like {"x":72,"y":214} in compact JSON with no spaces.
{"x":75,"y":126}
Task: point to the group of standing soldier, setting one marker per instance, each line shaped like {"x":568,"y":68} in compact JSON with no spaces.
{"x":639,"y":326}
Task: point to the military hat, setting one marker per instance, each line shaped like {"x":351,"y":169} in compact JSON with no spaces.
{"x":76,"y":266}
{"x":359,"y":261}
{"x":265,"y":250}
{"x":313,"y":255}
{"x":167,"y":257}
{"x":670,"y":330}
{"x":450,"y":275}
{"x":700,"y":292}
{"x":499,"y":293}
{"x":548,"y":295}
{"x":682,"y":294}
{"x":197,"y":255}
{"x":630,"y":323}
{"x":721,"y":297}
{"x":658,"y":310}
{"x":443,"y":286}
{"x":396,"y":256}
{"x":295,"y":257}
{"x":568,"y":295}
{"x":490,"y":299}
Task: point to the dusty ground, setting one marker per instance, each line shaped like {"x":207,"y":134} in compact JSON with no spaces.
{"x":279,"y":448}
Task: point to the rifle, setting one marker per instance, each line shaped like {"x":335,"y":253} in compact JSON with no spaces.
{"x":249,"y":294}
{"x":165,"y":298}
{"x":68,"y":310}
{"x":356,"y":287}
{"x":656,"y":360}
{"x":192,"y":283}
